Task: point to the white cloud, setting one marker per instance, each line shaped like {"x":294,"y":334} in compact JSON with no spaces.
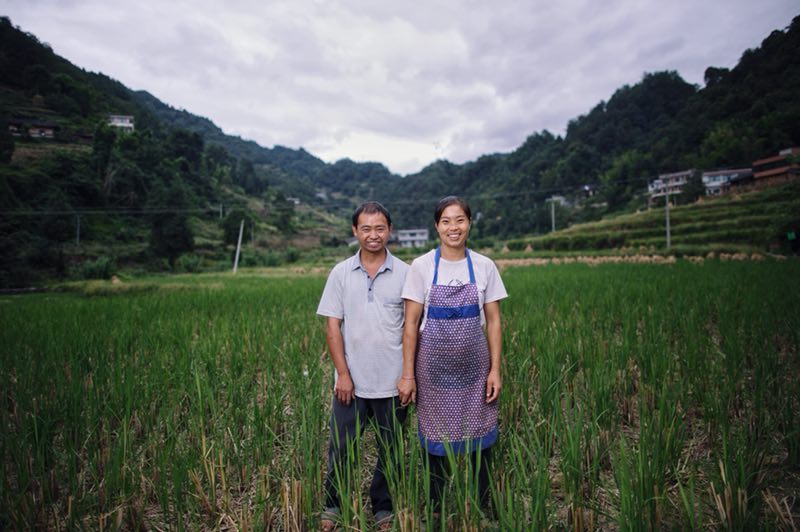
{"x":402,"y":84}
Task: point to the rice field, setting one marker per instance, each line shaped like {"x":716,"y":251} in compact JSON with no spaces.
{"x":636,"y":397}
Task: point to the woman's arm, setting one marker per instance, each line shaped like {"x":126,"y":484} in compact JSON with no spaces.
{"x":494,"y":337}
{"x":407,"y":385}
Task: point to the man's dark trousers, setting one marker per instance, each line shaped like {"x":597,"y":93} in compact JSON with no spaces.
{"x":388,"y":416}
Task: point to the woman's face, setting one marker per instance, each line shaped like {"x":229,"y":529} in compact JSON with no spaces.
{"x":453,"y":227}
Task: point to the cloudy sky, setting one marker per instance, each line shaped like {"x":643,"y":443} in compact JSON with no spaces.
{"x":402,"y":83}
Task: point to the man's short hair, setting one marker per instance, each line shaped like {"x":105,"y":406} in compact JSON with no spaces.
{"x":371,"y":207}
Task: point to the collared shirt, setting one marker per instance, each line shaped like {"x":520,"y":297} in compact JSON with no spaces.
{"x":371,"y":311}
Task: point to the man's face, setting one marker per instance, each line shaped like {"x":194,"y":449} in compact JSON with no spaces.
{"x":372,"y":231}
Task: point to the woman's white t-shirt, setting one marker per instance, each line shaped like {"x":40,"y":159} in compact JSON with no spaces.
{"x":420,"y":276}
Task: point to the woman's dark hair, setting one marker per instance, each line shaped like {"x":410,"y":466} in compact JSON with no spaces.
{"x":371,"y":207}
{"x":445,"y":202}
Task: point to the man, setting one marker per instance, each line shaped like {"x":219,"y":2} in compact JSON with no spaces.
{"x":364,"y":330}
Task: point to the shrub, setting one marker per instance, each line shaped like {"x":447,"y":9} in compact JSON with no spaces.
{"x":101,"y":268}
{"x":479,"y":243}
{"x":517,"y":245}
{"x":292,"y":255}
{"x":189,"y":263}
{"x":272,"y":258}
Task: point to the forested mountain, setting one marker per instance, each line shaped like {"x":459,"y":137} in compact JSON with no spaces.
{"x":658,"y":125}
{"x":293,"y":171}
{"x":67,"y":177}
{"x":177,"y":159}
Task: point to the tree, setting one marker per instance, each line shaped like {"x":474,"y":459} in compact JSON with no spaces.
{"x":232,"y":222}
{"x":727,"y":144}
{"x":626,"y":175}
{"x":6,"y":143}
{"x":188,"y":145}
{"x":283,"y":214}
{"x":170,"y":235}
{"x":102,"y":146}
{"x":694,"y":188}
{"x":715,"y":75}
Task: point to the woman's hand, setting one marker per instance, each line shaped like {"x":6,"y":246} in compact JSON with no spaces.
{"x":407,"y":386}
{"x":493,"y":385}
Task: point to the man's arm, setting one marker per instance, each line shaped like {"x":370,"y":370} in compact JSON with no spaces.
{"x":494,"y":337}
{"x":344,"y":384}
{"x":407,"y":385}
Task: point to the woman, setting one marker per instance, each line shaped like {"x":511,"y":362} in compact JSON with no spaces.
{"x":452,"y":341}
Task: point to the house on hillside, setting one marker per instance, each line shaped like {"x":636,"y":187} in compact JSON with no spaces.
{"x":560,"y":200}
{"x":719,"y":182}
{"x":411,"y":238}
{"x":668,"y":184}
{"x":777,"y":169}
{"x":123,"y":122}
{"x":16,"y":126}
{"x":39,"y":129}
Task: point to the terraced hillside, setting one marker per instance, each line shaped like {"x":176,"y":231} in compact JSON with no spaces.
{"x":762,"y":221}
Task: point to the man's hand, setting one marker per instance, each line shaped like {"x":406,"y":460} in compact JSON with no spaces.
{"x":493,"y":384}
{"x":344,"y":389}
{"x":407,"y":386}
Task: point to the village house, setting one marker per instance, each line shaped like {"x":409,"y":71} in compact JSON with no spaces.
{"x":777,"y":169}
{"x":16,"y":126}
{"x":40,"y":129}
{"x":411,"y":238}
{"x":123,"y":122}
{"x":668,"y":185}
{"x":37,"y":129}
{"x":719,"y":182}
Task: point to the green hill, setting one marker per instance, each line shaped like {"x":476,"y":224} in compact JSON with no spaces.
{"x":151,"y":199}
{"x":659,"y":125}
{"x":759,"y":221}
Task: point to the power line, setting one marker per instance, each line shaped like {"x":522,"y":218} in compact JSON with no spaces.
{"x":341,"y":203}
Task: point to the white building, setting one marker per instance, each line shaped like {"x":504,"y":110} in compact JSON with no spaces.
{"x":412,"y":238}
{"x":718,"y":182}
{"x":669,"y":184}
{"x":124,"y":122}
{"x":561,"y":200}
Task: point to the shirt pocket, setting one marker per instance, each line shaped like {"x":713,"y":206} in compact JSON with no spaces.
{"x":392,"y":311}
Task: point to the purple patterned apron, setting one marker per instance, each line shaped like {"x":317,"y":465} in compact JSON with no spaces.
{"x":451,"y":369}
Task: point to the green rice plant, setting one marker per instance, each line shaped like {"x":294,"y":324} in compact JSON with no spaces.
{"x":692,"y":510}
{"x":628,"y":504}
{"x":460,"y":505}
{"x":405,"y":471}
{"x":348,"y":482}
{"x":521,"y":496}
{"x":572,"y":445}
{"x":118,"y":400}
{"x":789,"y":424}
{"x":642,"y":470}
{"x":736,"y":489}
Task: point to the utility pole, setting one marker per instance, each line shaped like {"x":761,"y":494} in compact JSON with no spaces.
{"x":553,"y":214}
{"x":238,"y":247}
{"x":666,"y":211}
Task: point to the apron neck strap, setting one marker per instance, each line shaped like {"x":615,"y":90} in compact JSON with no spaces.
{"x":438,"y":255}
